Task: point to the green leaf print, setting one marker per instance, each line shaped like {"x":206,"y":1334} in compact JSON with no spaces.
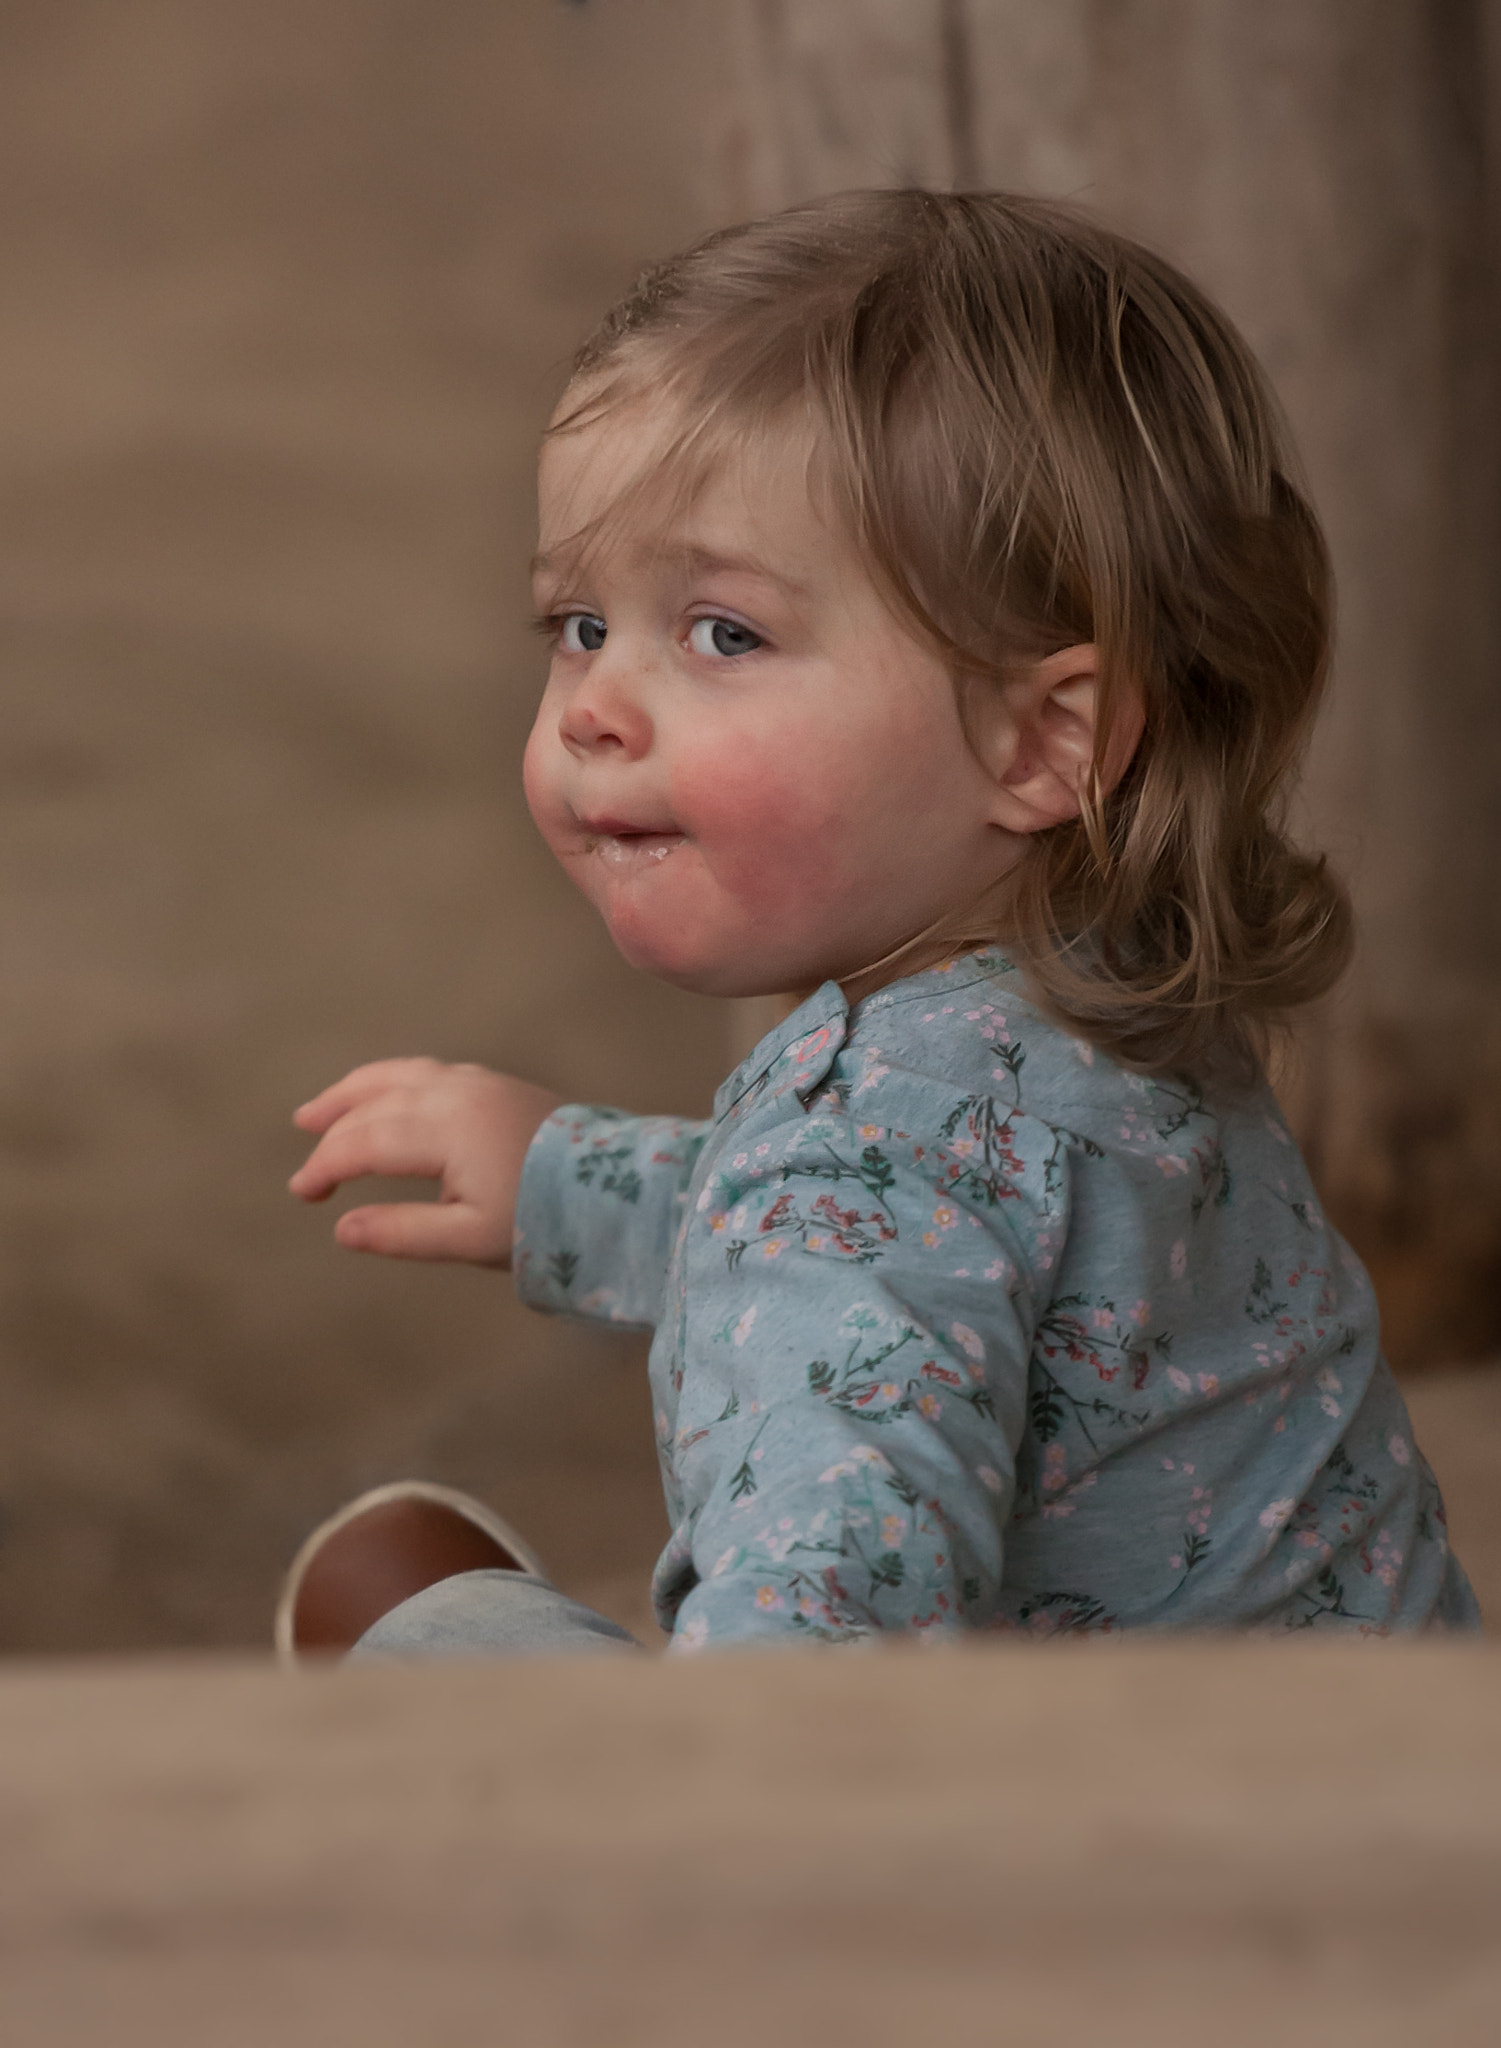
{"x":1326,"y":1596}
{"x":820,"y":1375}
{"x":1077,"y":1612}
{"x":561,"y":1267}
{"x":1260,"y":1306}
{"x":743,"y":1479}
{"x":889,"y":1569}
{"x":612,"y":1170}
{"x":1047,"y":1411}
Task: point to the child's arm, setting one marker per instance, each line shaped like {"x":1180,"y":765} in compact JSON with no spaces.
{"x":600,"y":1207}
{"x":462,"y":1126}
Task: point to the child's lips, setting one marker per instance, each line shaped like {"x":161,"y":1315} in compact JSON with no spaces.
{"x":622,"y":845}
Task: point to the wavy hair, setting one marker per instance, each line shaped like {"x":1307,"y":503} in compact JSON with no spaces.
{"x":1041,"y":434}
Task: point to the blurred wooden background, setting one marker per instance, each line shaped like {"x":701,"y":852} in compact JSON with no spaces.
{"x":286,"y":294}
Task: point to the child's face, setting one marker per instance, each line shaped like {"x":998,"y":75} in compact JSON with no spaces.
{"x":753,"y":772}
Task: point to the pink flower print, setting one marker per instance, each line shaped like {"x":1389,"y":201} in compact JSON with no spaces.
{"x":744,"y":1326}
{"x":1141,"y":1314}
{"x":1167,"y":1164}
{"x":1209,"y":1383}
{"x":1054,"y":1468}
{"x":1180,"y":1379}
{"x":1383,"y":1560}
{"x":1102,"y":1318}
{"x":1177,"y":1263}
{"x":773,"y":1247}
{"x":768,"y":1596}
{"x":718,"y":1221}
{"x":893,"y":1529}
{"x":930,"y":1405}
{"x":967,"y":1341}
{"x":1276,"y":1513}
{"x":807,"y":1049}
{"x":1398,"y":1446}
{"x":989,"y":1478}
{"x":872,"y":1131}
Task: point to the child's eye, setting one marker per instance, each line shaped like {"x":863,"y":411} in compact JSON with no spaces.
{"x":581,"y":632}
{"x":723,"y":637}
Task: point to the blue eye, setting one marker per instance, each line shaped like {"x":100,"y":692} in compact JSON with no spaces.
{"x":726,"y":637}
{"x":582,"y":633}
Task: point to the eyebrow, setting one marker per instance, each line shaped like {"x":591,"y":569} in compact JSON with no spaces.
{"x":703,"y":562}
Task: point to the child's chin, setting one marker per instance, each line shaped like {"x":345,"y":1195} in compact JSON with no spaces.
{"x":688,"y":961}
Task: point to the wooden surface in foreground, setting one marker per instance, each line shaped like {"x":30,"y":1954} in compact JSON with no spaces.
{"x":1105,"y":1843}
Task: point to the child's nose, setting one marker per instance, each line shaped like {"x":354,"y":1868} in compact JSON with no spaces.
{"x":604,"y":716}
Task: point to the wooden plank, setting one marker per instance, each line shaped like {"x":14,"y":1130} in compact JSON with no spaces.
{"x":1123,"y":1843}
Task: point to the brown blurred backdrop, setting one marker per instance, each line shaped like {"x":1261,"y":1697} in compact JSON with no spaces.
{"x":285,"y":296}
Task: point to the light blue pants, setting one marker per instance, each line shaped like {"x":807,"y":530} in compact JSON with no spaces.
{"x":491,"y":1614}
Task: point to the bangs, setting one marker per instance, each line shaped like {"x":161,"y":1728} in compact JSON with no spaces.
{"x":689,"y":437}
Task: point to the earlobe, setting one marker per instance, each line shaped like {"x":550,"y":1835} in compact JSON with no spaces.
{"x":1042,"y":742}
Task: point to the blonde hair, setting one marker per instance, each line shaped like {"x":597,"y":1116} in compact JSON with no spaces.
{"x":1040,"y":435}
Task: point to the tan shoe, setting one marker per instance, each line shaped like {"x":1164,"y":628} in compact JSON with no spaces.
{"x":379,"y":1550}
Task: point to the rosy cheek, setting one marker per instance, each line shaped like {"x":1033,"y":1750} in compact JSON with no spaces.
{"x":759,"y":823}
{"x":536,"y":775}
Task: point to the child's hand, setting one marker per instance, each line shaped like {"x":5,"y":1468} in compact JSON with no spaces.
{"x":462,"y":1126}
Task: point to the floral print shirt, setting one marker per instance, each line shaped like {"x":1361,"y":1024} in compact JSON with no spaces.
{"x":959,"y":1324}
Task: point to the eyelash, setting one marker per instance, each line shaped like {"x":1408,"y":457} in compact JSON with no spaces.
{"x":550,"y":626}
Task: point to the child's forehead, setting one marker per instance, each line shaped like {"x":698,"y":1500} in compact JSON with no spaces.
{"x":642,"y":480}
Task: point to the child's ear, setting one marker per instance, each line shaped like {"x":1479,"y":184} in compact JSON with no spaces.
{"x":1036,"y":735}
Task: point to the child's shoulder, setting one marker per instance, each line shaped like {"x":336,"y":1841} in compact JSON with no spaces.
{"x":970,"y":1026}
{"x":970,"y":1022}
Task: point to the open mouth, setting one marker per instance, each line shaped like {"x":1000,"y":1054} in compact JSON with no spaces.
{"x":623,"y":846}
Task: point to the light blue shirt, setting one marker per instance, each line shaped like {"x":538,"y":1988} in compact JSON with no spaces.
{"x":960,"y":1324}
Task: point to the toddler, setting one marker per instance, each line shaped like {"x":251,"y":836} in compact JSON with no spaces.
{"x":934,"y":628}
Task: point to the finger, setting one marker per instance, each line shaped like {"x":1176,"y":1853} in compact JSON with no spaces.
{"x":360,"y":1085}
{"x":420,"y":1230}
{"x":368,"y":1144}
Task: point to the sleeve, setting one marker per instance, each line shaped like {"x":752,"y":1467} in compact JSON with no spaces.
{"x":869,"y":1353}
{"x":599,"y":1206}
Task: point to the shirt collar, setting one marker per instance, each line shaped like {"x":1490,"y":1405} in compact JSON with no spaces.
{"x":806,"y":1044}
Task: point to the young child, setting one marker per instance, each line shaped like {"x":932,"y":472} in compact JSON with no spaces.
{"x":934,"y":627}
